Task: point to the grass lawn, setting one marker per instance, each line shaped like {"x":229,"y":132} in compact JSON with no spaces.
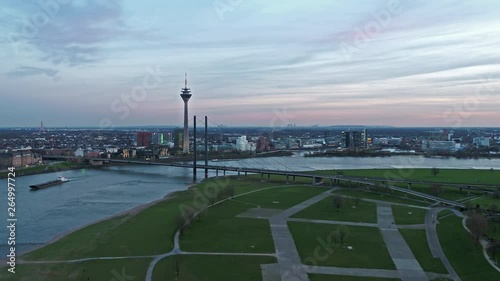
{"x":154,"y":225}
{"x":103,"y":270}
{"x":444,"y":213}
{"x":378,"y":196}
{"x":210,"y":268}
{"x":447,"y":192}
{"x":417,"y":241}
{"x":493,"y":230}
{"x":408,"y":215}
{"x":219,"y":230}
{"x":368,"y":247}
{"x":471,"y":176}
{"x":281,"y":179}
{"x":283,"y":197}
{"x":318,"y":277}
{"x":325,"y":210}
{"x":466,"y":258}
{"x":486,"y":202}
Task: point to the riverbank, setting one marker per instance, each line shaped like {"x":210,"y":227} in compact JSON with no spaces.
{"x":368,"y":153}
{"x":70,"y":165}
{"x":125,"y":214}
{"x":47,"y":168}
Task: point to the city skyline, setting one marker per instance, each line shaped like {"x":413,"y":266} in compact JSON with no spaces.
{"x":251,"y":63}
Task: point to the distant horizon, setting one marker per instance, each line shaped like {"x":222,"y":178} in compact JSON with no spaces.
{"x":255,"y":126}
{"x":251,"y":63}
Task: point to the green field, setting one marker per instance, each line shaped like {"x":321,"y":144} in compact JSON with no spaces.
{"x":220,"y":231}
{"x":155,"y":225}
{"x":97,"y":270}
{"x":318,"y":277}
{"x":417,"y":240}
{"x":390,"y":197}
{"x":368,"y":247}
{"x":283,"y":197}
{"x":493,"y":230}
{"x":408,"y":215}
{"x":210,"y":268}
{"x":445,"y":192}
{"x":471,"y":176}
{"x":486,"y":202}
{"x":325,"y":210}
{"x":466,"y":258}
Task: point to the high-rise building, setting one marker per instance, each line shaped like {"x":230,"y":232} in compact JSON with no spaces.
{"x":346,"y":139}
{"x":143,"y":139}
{"x":185,"y":95}
{"x":241,"y":143}
{"x":355,"y":139}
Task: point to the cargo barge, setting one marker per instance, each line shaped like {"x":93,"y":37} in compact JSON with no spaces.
{"x":59,"y":180}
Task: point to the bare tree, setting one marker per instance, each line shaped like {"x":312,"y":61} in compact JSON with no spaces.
{"x":436,"y":190}
{"x":343,"y":232}
{"x":337,"y":201}
{"x":435,"y":171}
{"x":230,"y":190}
{"x":477,"y":224}
{"x":356,"y":199}
{"x":494,"y":249}
{"x":494,"y":209}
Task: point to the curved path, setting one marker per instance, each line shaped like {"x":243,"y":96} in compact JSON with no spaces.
{"x":433,"y":240}
{"x":290,"y":263}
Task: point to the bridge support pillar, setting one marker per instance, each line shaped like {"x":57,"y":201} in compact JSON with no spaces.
{"x":245,"y":175}
{"x":216,"y":173}
{"x":293,"y":179}
{"x":314,"y":180}
{"x":468,"y":190}
{"x":268,"y":177}
{"x":409,"y":185}
{"x":224,"y":172}
{"x":238,"y":174}
{"x":261,"y":177}
{"x":331,"y":183}
{"x":287,"y":178}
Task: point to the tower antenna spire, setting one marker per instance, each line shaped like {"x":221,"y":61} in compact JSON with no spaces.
{"x":186,"y":79}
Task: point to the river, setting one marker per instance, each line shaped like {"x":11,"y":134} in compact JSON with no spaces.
{"x":94,"y":194}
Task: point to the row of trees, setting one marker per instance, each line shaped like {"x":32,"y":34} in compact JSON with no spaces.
{"x":477,"y":223}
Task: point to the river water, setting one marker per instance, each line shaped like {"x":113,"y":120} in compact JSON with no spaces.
{"x":94,"y":194}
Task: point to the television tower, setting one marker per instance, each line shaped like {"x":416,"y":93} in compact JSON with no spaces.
{"x":186,"y":95}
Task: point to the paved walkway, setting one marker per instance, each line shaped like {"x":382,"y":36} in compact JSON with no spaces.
{"x":289,"y":261}
{"x":334,"y":222}
{"x":361,"y":272}
{"x":290,"y":267}
{"x":433,"y":241}
{"x":406,"y":264}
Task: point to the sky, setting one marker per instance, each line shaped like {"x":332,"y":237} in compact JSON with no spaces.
{"x":250,"y":62}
